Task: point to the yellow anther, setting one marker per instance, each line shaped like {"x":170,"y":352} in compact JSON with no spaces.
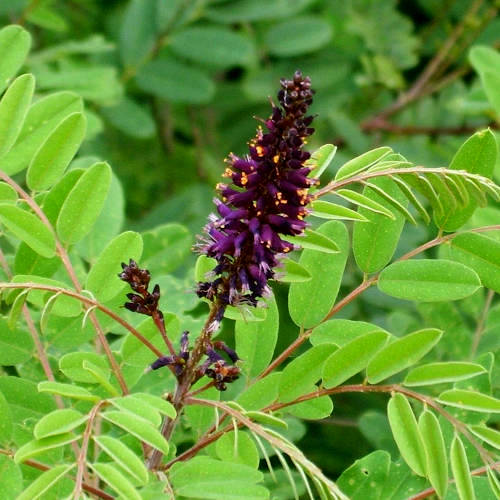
{"x":244,"y":179}
{"x":260,"y":150}
{"x":276,"y":158}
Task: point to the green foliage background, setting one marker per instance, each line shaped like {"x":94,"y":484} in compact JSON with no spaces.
{"x":170,"y":88}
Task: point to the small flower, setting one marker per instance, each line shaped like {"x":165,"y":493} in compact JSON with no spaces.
{"x":178,"y":361}
{"x":141,"y":302}
{"x":267,"y":199}
{"x":217,"y":368}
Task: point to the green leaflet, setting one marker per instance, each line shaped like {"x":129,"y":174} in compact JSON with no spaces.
{"x":54,"y":155}
{"x":71,"y":365}
{"x":101,"y":280}
{"x":116,"y":480}
{"x":304,"y":371}
{"x":406,"y":433}
{"x":477,"y":155}
{"x":58,"y":422}
{"x":470,"y":400}
{"x":84,"y":203}
{"x":261,"y":393}
{"x":351,"y":358}
{"x":487,"y":434}
{"x":294,"y":272}
{"x":44,"y":482}
{"x":13,"y":108}
{"x":124,"y":457}
{"x":320,"y":160}
{"x":15,"y":43}
{"x":16,"y":346}
{"x":256,"y":340}
{"x":37,"y":446}
{"x":362,"y":162}
{"x":461,"y":470}
{"x":67,"y":390}
{"x":374,"y":243}
{"x":341,"y":331}
{"x":439,"y":373}
{"x":435,"y":451}
{"x":310,"y":302}
{"x":428,"y":280}
{"x":11,"y":478}
{"x":326,"y":210}
{"x":485,"y":61}
{"x":314,"y":241}
{"x":401,"y":354}
{"x":237,"y":448}
{"x":28,"y":228}
{"x":6,"y":423}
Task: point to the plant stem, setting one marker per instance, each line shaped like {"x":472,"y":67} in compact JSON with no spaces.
{"x":160,"y":324}
{"x":480,"y":324}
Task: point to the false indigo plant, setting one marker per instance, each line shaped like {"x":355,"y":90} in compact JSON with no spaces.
{"x":104,"y":397}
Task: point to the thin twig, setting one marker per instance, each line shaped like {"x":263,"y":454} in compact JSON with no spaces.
{"x":480,"y":324}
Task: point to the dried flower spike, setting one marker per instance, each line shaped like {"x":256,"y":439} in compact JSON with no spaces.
{"x":267,"y":198}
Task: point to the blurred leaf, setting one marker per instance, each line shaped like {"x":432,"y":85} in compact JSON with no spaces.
{"x":44,"y":482}
{"x":304,"y":371}
{"x":131,"y":118}
{"x":7,"y":193}
{"x":58,"y":422}
{"x":214,"y":46}
{"x":6,"y":424}
{"x":298,"y":36}
{"x":435,"y":451}
{"x":11,"y":479}
{"x":84,"y":203}
{"x":428,"y":280}
{"x":124,"y":457}
{"x":406,"y":433}
{"x":439,"y":373}
{"x":13,"y":109}
{"x":15,"y":346}
{"x":54,"y":155}
{"x":351,"y":358}
{"x":486,"y":61}
{"x":256,"y":340}
{"x":470,"y":400}
{"x":116,"y":480}
{"x":15,"y":43}
{"x":101,"y":280}
{"x":28,"y":228}
{"x":310,"y":302}
{"x":161,"y":78}
{"x":401,"y":354}
{"x":461,"y":470}
{"x":46,"y":17}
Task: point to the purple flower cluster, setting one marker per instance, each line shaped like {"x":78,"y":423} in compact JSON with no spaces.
{"x":267,"y":198}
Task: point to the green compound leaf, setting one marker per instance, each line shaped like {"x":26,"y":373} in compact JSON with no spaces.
{"x":15,"y":43}
{"x":327,"y":210}
{"x":480,"y":253}
{"x":401,"y":354}
{"x":54,"y":155}
{"x":116,"y":480}
{"x":138,"y":427}
{"x":35,"y":447}
{"x":477,"y":155}
{"x":44,"y":482}
{"x":435,"y":451}
{"x":206,"y":478}
{"x":320,"y":160}
{"x":461,"y":470}
{"x":297,"y":36}
{"x":67,"y":390}
{"x":310,"y":302}
{"x":58,"y":422}
{"x":428,"y":280}
{"x":28,"y":228}
{"x":351,"y":358}
{"x":256,"y":340}
{"x":439,"y":373}
{"x":124,"y":457}
{"x":470,"y":400}
{"x":216,"y":46}
{"x":101,"y":280}
{"x":42,"y":119}
{"x":161,"y":78}
{"x":303,"y":372}
{"x":84,"y":203}
{"x":406,"y":433}
{"x":487,"y":434}
{"x":13,"y":108}
{"x":361,"y":163}
{"x":374,"y":243}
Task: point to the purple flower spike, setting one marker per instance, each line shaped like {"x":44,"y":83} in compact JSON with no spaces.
{"x":267,"y":198}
